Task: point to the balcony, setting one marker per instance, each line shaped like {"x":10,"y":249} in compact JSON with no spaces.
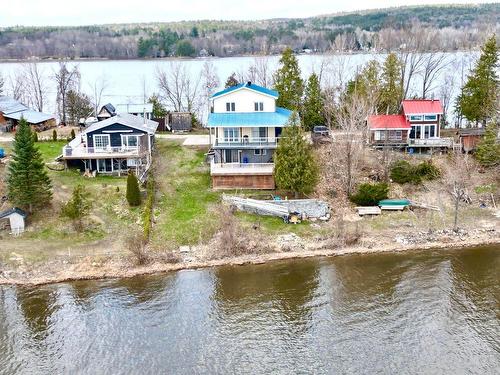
{"x":245,"y":142}
{"x":83,"y":152}
{"x":431,"y":142}
{"x":221,"y":169}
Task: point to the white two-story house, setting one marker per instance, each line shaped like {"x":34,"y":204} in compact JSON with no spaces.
{"x":245,"y":126}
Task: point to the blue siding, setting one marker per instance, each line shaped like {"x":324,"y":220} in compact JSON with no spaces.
{"x":115,"y":138}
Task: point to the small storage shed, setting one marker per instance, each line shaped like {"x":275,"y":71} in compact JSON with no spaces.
{"x":178,"y":122}
{"x":16,"y":218}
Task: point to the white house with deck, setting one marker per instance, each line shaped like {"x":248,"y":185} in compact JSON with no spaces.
{"x":245,"y":126}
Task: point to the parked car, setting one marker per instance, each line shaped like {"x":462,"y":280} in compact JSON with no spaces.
{"x":321,"y":130}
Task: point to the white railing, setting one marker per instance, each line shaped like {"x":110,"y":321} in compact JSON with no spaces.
{"x":436,"y":142}
{"x":243,"y":168}
{"x":244,"y":141}
{"x":82,"y":150}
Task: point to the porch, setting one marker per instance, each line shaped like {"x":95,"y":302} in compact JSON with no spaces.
{"x":222,"y":169}
{"x":83,"y":152}
{"x":245,"y":142}
{"x":431,"y":143}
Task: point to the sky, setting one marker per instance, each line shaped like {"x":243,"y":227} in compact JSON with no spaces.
{"x":92,"y":12}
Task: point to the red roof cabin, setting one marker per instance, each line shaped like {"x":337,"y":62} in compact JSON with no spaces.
{"x":416,"y":127}
{"x":389,"y":130}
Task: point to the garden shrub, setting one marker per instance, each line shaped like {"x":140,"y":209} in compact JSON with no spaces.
{"x":403,"y":172}
{"x":370,"y":194}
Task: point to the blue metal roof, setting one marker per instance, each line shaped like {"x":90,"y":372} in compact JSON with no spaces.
{"x":249,"y":86}
{"x":254,"y":119}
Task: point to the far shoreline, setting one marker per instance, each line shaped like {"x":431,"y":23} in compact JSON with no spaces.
{"x":207,"y":58}
{"x":118,"y":271}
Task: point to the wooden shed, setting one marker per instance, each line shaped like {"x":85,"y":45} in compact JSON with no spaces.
{"x":178,"y":122}
{"x":15,"y":217}
{"x":469,"y":138}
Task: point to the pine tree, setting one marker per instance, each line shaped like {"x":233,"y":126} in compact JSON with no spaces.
{"x":391,"y":92}
{"x":288,"y":82}
{"x":478,"y":100}
{"x":295,"y":167}
{"x":54,"y":135}
{"x":28,"y":184}
{"x":488,"y":149}
{"x":133,"y":193}
{"x":313,"y":104}
{"x":78,"y":207}
{"x":231,"y":81}
{"x":366,"y":85}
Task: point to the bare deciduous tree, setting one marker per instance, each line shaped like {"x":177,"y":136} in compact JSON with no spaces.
{"x":36,"y":86}
{"x":18,"y":86}
{"x":2,"y":83}
{"x":446,"y":93}
{"x":98,"y":87}
{"x":433,"y":64}
{"x":458,"y":179}
{"x":66,"y":80}
{"x":348,"y":145}
{"x":178,"y":89}
{"x":210,"y":82}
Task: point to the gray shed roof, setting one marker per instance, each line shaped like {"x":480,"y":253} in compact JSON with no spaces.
{"x":14,"y":109}
{"x":11,"y":211}
{"x":126,"y":119}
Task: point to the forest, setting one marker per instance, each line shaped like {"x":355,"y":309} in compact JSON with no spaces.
{"x":452,"y":27}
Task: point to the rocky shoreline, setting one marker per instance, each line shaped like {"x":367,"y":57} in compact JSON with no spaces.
{"x":89,"y":269}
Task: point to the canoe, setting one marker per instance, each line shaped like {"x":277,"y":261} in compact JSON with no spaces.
{"x":394,"y":204}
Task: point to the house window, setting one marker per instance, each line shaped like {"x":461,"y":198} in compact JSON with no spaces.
{"x":432,"y":131}
{"x":230,"y":107}
{"x":259,"y":106}
{"x":259,"y":134}
{"x":259,"y":151}
{"x":430,"y":117}
{"x":231,"y":134}
{"x":101,"y":142}
{"x":130,"y":141}
{"x":378,"y":135}
{"x":415,"y":118}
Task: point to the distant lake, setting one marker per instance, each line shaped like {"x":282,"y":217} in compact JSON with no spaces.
{"x":130,"y":80}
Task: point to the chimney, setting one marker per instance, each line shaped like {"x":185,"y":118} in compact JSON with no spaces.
{"x":249,"y":83}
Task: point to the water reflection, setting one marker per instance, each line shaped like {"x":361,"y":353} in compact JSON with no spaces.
{"x":422,"y":312}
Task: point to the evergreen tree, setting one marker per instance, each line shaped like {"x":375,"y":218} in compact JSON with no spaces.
{"x":295,"y":167}
{"x":184,"y":48}
{"x":159,"y":110}
{"x":313,"y":104}
{"x":54,"y":135}
{"x":72,"y":134}
{"x":231,"y":81}
{"x":35,"y":136}
{"x":288,"y":82}
{"x":78,"y":207}
{"x":28,"y":184}
{"x":391,"y":92}
{"x":488,"y":149}
{"x":478,"y":100}
{"x":366,"y":85}
{"x":133,"y":193}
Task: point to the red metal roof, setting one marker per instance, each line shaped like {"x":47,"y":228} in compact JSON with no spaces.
{"x":388,"y":122}
{"x":422,"y":106}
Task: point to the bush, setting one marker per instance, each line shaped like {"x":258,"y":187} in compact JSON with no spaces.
{"x":78,"y":207}
{"x":370,"y":194}
{"x":54,"y":135}
{"x":427,"y":171}
{"x":72,"y":135}
{"x":136,"y":244}
{"x":35,"y":136}
{"x":133,"y":193}
{"x":148,"y":207}
{"x":402,"y":172}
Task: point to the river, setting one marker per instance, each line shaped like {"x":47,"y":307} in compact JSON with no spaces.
{"x":129,"y":81}
{"x":418,"y":312}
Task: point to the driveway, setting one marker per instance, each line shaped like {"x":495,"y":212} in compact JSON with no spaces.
{"x":189,"y":139}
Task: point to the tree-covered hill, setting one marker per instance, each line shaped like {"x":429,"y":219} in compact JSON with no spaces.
{"x":449,"y":27}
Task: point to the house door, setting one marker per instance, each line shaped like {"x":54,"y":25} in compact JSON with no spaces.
{"x":104,"y":166}
{"x":231,"y":156}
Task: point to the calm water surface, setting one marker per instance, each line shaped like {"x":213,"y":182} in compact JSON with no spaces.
{"x":421,"y":312}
